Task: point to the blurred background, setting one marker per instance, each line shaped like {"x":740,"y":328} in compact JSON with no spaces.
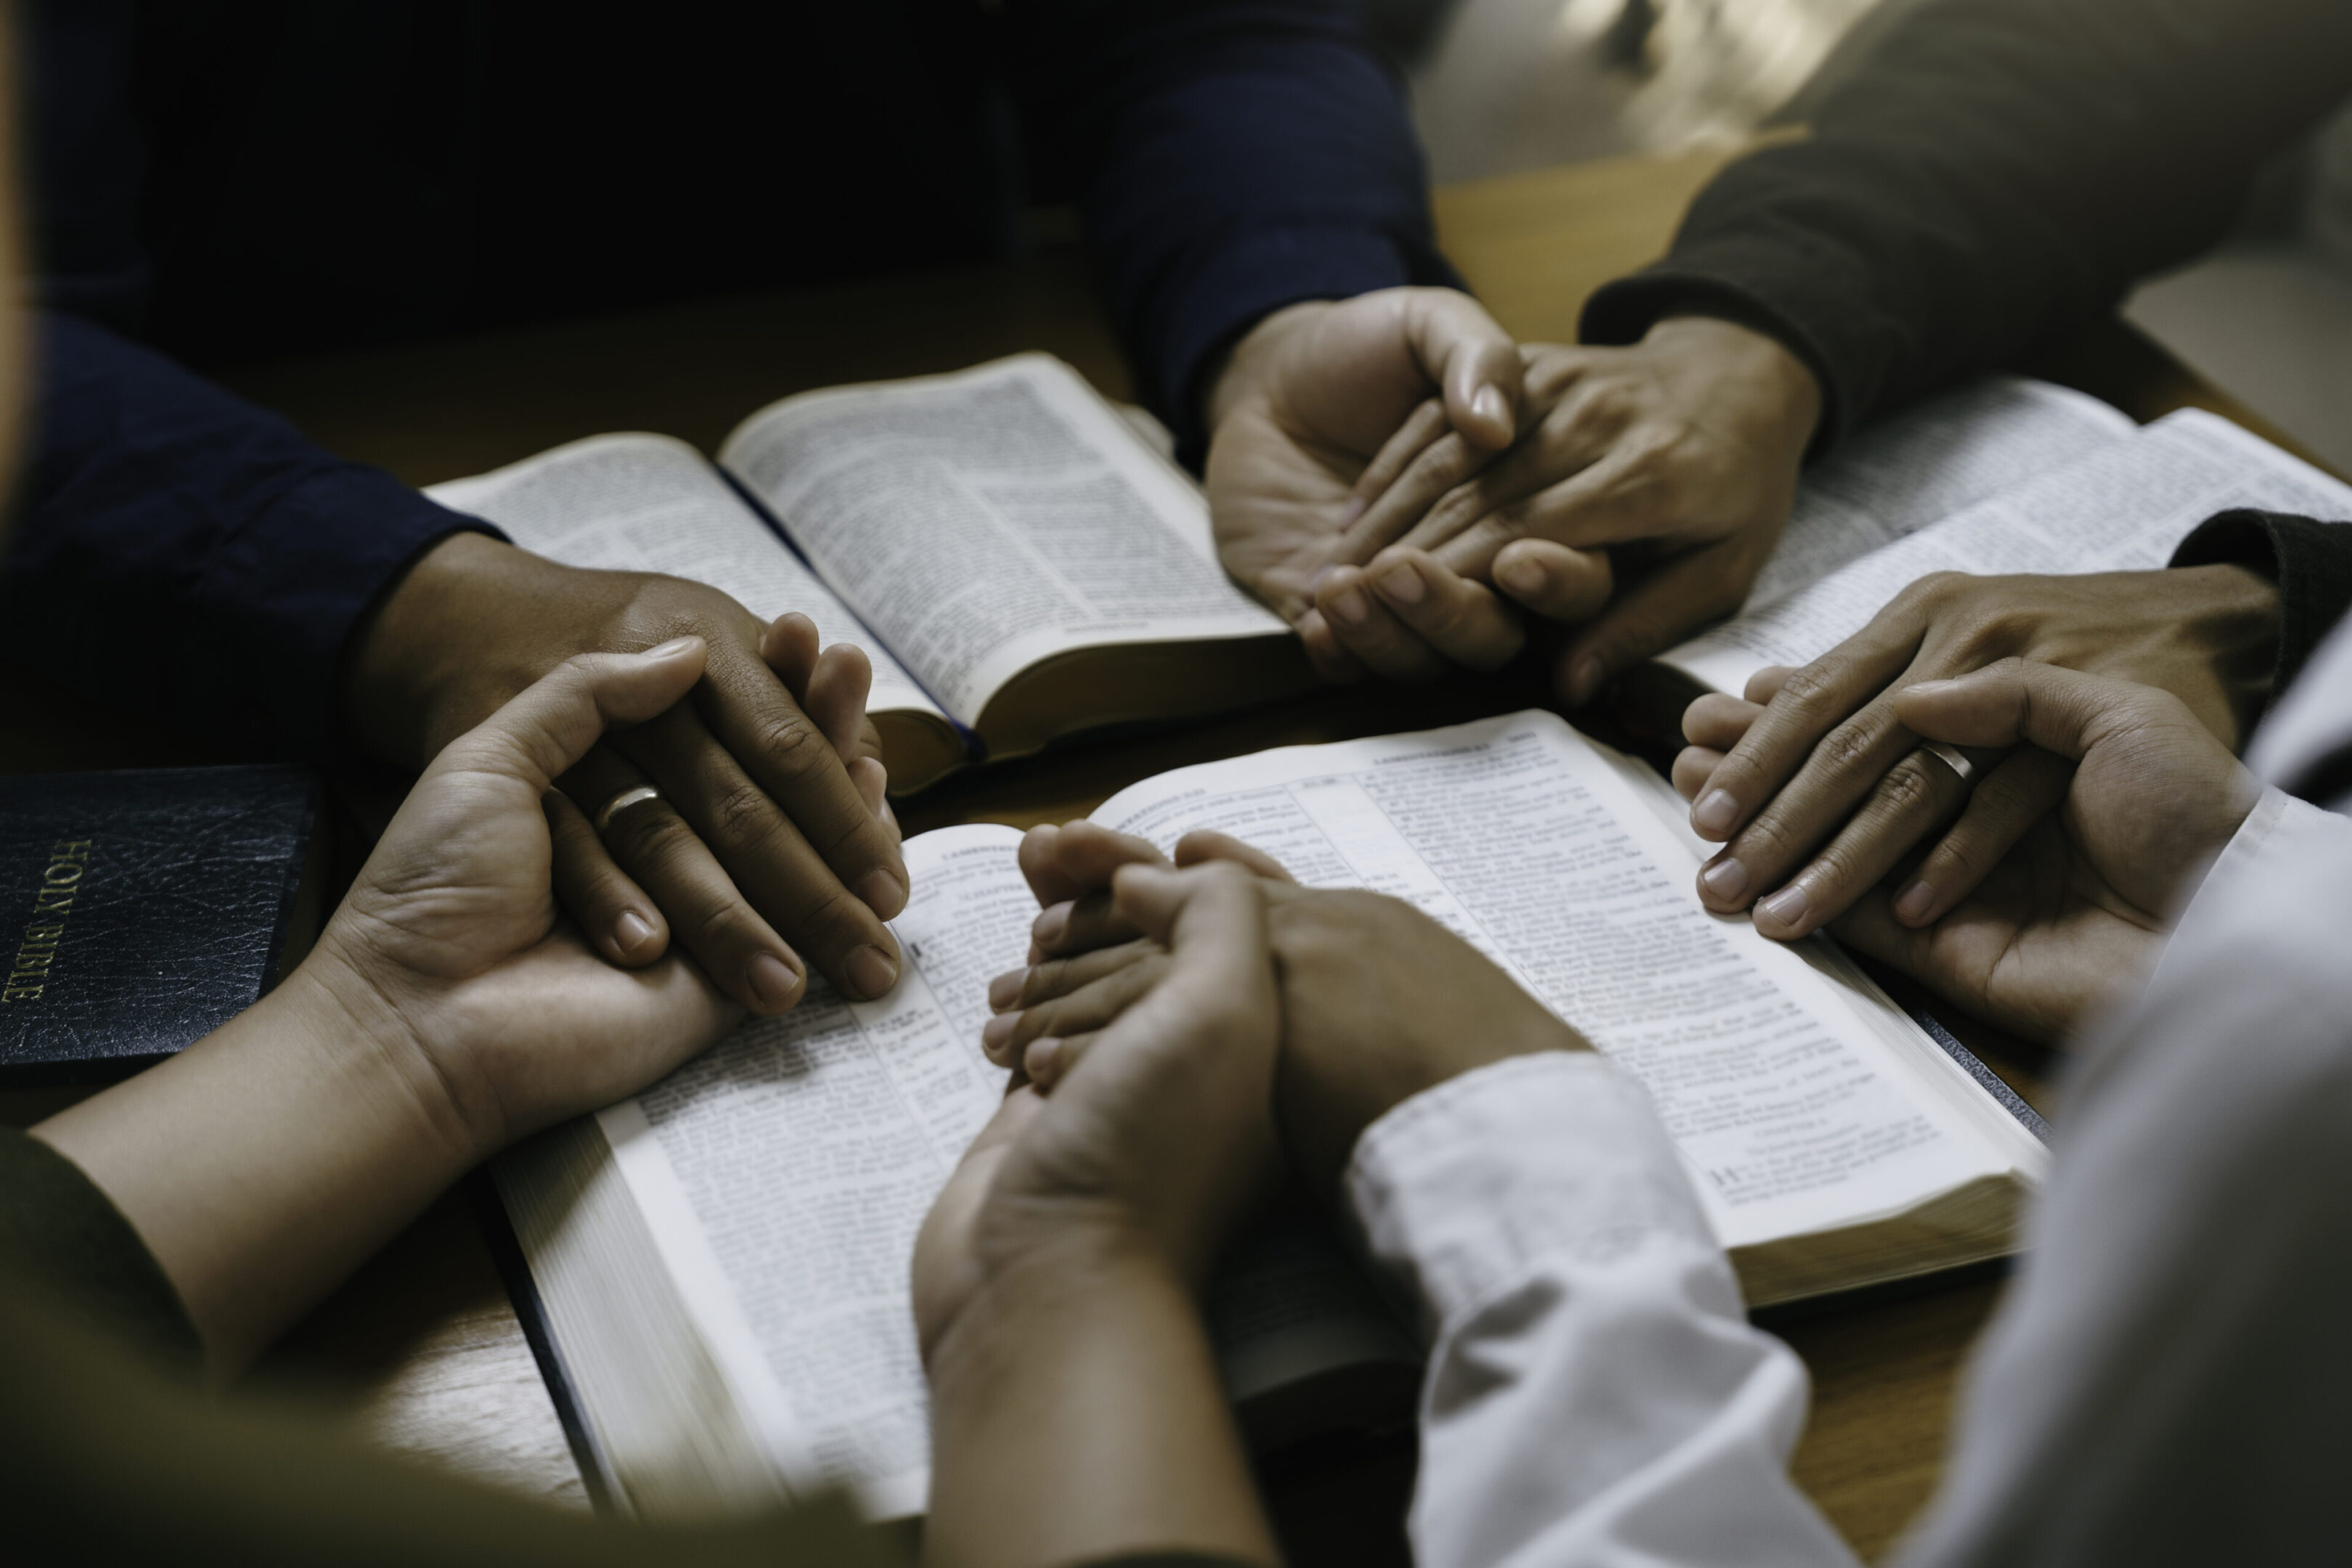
{"x":1503,"y":85}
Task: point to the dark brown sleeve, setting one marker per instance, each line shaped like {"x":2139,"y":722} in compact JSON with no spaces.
{"x":62,"y":1237}
{"x":1994,"y":176}
{"x":2310,"y":561}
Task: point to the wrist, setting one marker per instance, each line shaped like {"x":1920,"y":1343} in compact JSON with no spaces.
{"x":333,"y":1001}
{"x":1241,"y":372}
{"x":2236,"y":617}
{"x":420,"y":649}
{"x":1073,"y":1266}
{"x":1782,"y":384}
{"x":1077,"y":1415}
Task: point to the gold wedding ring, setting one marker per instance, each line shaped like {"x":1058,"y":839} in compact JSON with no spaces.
{"x":636,"y":795}
{"x":1963,"y":769}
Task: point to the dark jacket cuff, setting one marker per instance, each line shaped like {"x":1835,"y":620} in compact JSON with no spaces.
{"x":288,"y":592}
{"x":1249,"y":278}
{"x":2311,"y":561}
{"x":63,"y":1237}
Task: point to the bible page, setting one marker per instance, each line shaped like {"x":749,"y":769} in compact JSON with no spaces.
{"x":1516,"y":833}
{"x":2122,"y":508}
{"x":648,"y":503}
{"x":785,"y":1171}
{"x":1927,"y":463}
{"x":981,"y":521}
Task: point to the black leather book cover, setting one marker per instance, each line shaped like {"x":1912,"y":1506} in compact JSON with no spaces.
{"x":140,"y":910}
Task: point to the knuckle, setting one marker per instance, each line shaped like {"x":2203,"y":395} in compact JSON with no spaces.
{"x":742,"y":813}
{"x":1905,"y":790}
{"x":1769,"y":840}
{"x":791,"y":745}
{"x":1846,"y":748}
{"x":1817,"y":686}
{"x":727,"y":926}
{"x":1044,"y":982}
{"x":1937,"y":587}
{"x":653,"y":837}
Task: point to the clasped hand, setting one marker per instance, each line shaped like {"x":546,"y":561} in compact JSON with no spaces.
{"x":769,"y":846}
{"x":1366,"y":488}
{"x":1174,"y":1020}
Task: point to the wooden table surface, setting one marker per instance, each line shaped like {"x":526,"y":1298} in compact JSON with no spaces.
{"x":421,"y":1353}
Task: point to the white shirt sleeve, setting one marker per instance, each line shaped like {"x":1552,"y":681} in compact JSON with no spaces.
{"x":2167,"y":1384}
{"x":1595,"y":1395}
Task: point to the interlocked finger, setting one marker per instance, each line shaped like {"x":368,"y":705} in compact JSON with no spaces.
{"x":1364,"y":625}
{"x":1078,"y":925}
{"x":1088,"y":1009}
{"x":1465,"y":622}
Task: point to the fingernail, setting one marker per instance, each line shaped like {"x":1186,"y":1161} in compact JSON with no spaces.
{"x":632,"y":930}
{"x":1489,"y":405}
{"x":1047,"y":928}
{"x":882,"y":892}
{"x":774,"y":982}
{"x":1726,"y":879}
{"x":1927,"y":686}
{"x":1912,"y":904}
{"x":1584,"y":680}
{"x":999,"y":1029}
{"x":870,"y":971}
{"x":1350,"y":607}
{"x":1522,"y":576}
{"x":1786,"y":907}
{"x":1403,"y":585}
{"x":669,"y":649}
{"x":1715,"y":812}
{"x":873,"y":782}
{"x":1037,"y":1061}
{"x":1350,"y":512}
{"x":1005,"y":989}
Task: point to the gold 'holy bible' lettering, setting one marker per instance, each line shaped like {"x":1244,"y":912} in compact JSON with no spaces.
{"x":37,"y":955}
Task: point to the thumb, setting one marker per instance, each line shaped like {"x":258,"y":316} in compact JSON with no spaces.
{"x":1474,"y":362}
{"x":550,"y":724}
{"x":2062,"y":711}
{"x":1212,"y":918}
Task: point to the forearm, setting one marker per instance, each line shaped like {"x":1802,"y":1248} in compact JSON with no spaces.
{"x":1077,"y":1415}
{"x":184,"y":555}
{"x":1998,"y":173}
{"x":1595,"y":1395}
{"x":269,"y":1159}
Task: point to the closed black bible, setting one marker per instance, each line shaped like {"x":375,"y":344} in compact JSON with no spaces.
{"x":140,"y":910}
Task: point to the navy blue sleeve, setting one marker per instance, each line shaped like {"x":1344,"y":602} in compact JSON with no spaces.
{"x":1229,"y":157}
{"x":184,"y":555}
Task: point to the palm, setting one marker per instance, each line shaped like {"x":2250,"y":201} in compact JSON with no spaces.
{"x":2040,"y":943}
{"x":1317,"y":390}
{"x":1280,"y":491}
{"x":455,"y":913}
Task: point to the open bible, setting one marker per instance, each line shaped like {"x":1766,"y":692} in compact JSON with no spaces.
{"x":720,"y":1264}
{"x":2003,"y":476}
{"x":1018,"y":560}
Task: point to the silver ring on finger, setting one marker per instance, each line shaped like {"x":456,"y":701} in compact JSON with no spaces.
{"x":1952,"y":758}
{"x":636,"y":795}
